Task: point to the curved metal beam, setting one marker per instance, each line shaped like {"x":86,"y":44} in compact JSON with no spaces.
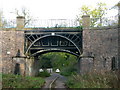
{"x":56,"y":36}
{"x":54,"y":50}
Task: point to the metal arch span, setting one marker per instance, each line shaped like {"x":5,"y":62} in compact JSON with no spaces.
{"x":54,"y":50}
{"x":56,"y":36}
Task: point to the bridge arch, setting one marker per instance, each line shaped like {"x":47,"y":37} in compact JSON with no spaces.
{"x":51,"y":50}
{"x":54,"y":50}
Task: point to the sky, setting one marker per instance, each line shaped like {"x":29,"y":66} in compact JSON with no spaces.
{"x":50,"y":9}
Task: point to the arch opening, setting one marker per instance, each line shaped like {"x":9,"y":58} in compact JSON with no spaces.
{"x":51,"y":61}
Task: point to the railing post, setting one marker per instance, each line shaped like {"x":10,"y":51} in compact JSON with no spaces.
{"x":20,"y":23}
{"x":86,"y":21}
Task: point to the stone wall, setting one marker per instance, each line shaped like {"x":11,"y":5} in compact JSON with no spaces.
{"x":119,"y":46}
{"x":12,"y":41}
{"x":102,"y":44}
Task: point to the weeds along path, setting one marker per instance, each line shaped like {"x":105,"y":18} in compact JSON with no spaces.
{"x":55,"y":81}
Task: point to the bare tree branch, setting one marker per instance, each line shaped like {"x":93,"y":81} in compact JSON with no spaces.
{"x":25,"y":13}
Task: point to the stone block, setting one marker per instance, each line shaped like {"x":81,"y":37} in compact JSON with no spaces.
{"x":86,"y":65}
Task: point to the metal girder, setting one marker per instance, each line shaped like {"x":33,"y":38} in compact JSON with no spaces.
{"x":53,"y":50}
{"x":53,"y":39}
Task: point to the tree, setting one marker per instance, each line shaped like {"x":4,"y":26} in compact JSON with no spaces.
{"x":96,"y":13}
{"x":24,"y":12}
{"x":57,"y":60}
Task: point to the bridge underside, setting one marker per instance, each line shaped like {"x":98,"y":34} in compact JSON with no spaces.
{"x":37,"y":53}
{"x":42,"y":41}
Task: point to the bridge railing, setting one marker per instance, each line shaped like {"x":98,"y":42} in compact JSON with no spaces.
{"x":43,"y":23}
{"x":8,"y":23}
{"x":49,"y":23}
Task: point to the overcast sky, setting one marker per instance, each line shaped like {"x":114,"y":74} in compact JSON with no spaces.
{"x":50,"y":9}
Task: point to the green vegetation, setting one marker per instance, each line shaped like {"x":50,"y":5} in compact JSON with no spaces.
{"x":95,"y":13}
{"x":61,"y":27}
{"x":43,"y":74}
{"x":63,"y":61}
{"x":95,"y":80}
{"x":68,"y":71}
{"x":17,"y":81}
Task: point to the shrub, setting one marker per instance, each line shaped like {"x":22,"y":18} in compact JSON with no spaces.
{"x":69,"y":71}
{"x":44,"y":74}
{"x":95,"y":80}
{"x":17,"y":81}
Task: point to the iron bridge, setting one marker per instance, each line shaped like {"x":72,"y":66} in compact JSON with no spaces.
{"x":53,"y":40}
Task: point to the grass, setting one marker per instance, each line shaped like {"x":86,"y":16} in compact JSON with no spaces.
{"x":95,"y":80}
{"x":17,"y":81}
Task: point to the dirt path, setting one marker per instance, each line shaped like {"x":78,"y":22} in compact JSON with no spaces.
{"x":59,"y":83}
